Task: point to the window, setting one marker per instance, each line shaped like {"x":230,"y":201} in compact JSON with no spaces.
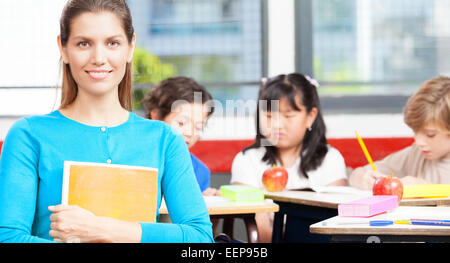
{"x":216,"y":42}
{"x":381,"y":47}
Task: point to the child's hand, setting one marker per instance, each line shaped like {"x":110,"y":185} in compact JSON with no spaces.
{"x":410,"y":180}
{"x":364,"y":179}
{"x":211,"y":192}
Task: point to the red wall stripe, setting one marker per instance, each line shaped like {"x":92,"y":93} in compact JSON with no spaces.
{"x":218,"y":155}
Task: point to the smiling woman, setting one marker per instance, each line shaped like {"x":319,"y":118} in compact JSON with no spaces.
{"x":95,"y":124}
{"x":97,"y":59}
{"x":96,"y":51}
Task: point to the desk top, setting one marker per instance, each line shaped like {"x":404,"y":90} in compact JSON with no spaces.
{"x":221,"y":206}
{"x":360,"y":226}
{"x":333,"y":199}
{"x":328,"y":200}
{"x":444,"y":201}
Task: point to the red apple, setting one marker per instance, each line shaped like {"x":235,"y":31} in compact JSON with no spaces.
{"x":388,"y":185}
{"x":275,"y":179}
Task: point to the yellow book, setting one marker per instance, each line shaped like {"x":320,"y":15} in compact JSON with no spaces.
{"x":426,"y":191}
{"x":119,"y":191}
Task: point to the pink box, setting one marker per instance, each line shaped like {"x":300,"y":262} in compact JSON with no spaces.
{"x":368,"y":206}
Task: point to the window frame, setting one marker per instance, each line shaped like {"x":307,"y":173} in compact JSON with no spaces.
{"x":346,"y":103}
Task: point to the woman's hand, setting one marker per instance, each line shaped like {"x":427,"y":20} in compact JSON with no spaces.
{"x":70,"y":224}
{"x":364,"y":179}
{"x":73,"y":224}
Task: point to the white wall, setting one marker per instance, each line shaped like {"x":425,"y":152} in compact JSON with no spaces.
{"x":29,"y":55}
{"x":30,"y":58}
{"x":338,"y":126}
{"x":281,"y":34}
{"x":28,"y":49}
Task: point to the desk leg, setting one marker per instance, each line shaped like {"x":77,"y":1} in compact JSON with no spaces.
{"x":252,"y":230}
{"x":228,"y":226}
{"x":298,"y":219}
{"x":278,"y":221}
{"x":249,"y":221}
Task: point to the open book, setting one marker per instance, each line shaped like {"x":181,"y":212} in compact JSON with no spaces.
{"x":338,"y":190}
{"x":119,"y":191}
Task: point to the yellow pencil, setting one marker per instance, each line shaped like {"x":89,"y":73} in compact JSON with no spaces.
{"x":403,"y":222}
{"x":363,"y":147}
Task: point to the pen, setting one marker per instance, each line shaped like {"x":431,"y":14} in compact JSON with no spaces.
{"x":434,"y":220}
{"x":427,"y":222}
{"x":430,"y":222}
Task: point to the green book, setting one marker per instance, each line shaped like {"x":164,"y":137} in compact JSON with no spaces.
{"x":241,"y":193}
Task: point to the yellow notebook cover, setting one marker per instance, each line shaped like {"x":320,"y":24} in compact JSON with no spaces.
{"x":119,"y":191}
{"x":426,"y":191}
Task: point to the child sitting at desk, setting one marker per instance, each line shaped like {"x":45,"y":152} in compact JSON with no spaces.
{"x":427,"y":161}
{"x":184,"y":104}
{"x":290,"y":133}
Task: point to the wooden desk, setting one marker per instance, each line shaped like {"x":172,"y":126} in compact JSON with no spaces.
{"x":326,"y":200}
{"x":348,"y":229}
{"x":303,"y":208}
{"x":332,"y":200}
{"x":219,"y":207}
{"x":426,"y":202}
{"x":299,"y":209}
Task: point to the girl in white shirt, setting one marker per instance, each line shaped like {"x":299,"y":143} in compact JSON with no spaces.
{"x":290,"y":132}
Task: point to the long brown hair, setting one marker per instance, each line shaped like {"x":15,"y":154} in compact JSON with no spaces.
{"x":74,"y":8}
{"x":314,"y":144}
{"x":163,"y":96}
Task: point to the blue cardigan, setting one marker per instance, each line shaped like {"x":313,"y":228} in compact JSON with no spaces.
{"x":31,"y":169}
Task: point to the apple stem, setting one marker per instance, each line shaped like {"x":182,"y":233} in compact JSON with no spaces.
{"x":274,"y":165}
{"x":392,"y":175}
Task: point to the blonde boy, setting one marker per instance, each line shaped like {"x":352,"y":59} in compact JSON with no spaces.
{"x":427,"y":160}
